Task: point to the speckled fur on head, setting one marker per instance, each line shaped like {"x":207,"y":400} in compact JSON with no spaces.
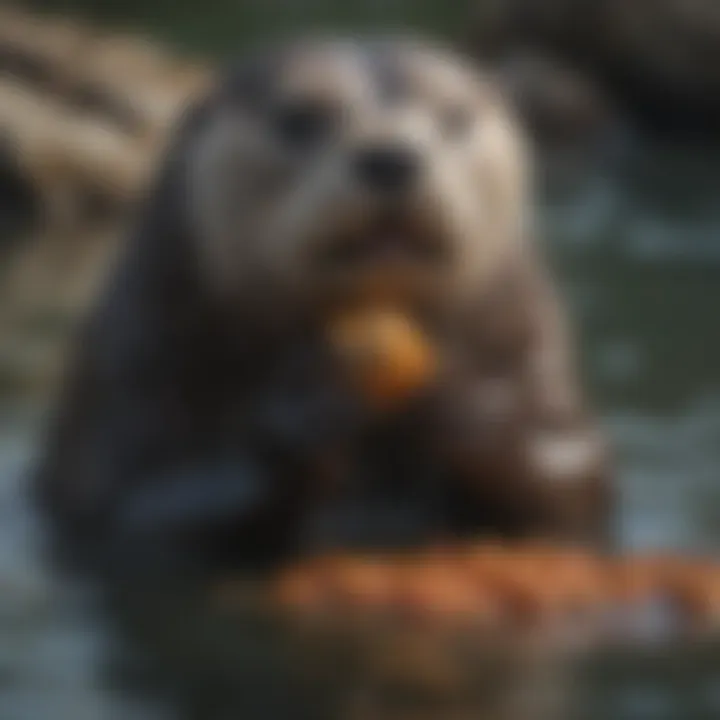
{"x":266,"y":205}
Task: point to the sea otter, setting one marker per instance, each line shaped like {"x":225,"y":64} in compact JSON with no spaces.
{"x":208,"y":410}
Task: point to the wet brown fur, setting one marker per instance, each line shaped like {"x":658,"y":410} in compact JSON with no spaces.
{"x":175,"y":376}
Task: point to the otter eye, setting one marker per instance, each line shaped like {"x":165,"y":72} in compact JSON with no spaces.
{"x":456,"y":121}
{"x":305,"y":123}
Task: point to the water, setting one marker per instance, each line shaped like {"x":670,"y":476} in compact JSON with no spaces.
{"x":640,"y":261}
{"x":639,"y":257}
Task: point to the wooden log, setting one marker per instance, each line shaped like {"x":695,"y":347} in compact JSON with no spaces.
{"x":487,"y":630}
{"x":510,"y":588}
{"x":130,"y":80}
{"x":84,"y":116}
{"x":65,"y":154}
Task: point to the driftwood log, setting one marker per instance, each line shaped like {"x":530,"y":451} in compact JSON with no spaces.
{"x":84,"y":111}
{"x":488,"y":630}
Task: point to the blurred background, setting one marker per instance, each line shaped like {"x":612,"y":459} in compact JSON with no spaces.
{"x":622,"y":100}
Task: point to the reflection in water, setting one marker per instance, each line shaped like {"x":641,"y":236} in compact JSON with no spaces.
{"x":641,"y":260}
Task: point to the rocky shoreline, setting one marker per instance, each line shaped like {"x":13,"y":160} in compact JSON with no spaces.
{"x":657,"y":59}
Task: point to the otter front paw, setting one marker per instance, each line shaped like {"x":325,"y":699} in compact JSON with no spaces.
{"x":198,"y":495}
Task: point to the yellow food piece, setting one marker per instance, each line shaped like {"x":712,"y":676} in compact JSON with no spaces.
{"x":386,"y":354}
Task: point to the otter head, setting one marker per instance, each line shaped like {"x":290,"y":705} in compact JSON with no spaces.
{"x":330,"y":168}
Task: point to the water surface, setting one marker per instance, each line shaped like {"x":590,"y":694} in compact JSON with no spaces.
{"x":639,"y":258}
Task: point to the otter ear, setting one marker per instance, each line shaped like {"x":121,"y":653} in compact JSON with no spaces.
{"x":249,"y":81}
{"x":519,"y":82}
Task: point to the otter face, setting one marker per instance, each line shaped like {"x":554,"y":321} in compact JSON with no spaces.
{"x":333,"y":167}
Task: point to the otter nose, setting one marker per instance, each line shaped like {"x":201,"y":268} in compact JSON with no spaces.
{"x":387,"y":168}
